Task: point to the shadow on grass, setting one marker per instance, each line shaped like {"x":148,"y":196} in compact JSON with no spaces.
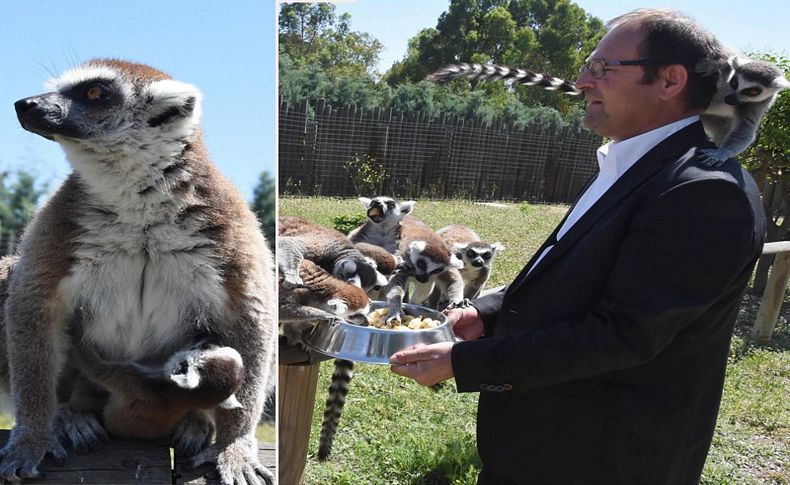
{"x":458,"y":463}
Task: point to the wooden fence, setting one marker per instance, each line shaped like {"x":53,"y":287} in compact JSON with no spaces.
{"x":413,"y":155}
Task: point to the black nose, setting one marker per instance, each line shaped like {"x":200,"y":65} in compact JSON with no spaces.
{"x":24,"y":105}
{"x":422,"y":278}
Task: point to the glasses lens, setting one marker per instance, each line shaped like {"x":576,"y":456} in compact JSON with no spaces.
{"x":597,"y":69}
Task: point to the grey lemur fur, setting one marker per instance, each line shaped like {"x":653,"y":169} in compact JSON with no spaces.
{"x":426,"y":259}
{"x":302,"y":239}
{"x":745,"y":90}
{"x":145,"y":247}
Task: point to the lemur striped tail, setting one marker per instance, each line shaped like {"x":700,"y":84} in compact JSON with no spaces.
{"x":336,"y":399}
{"x":492,"y":72}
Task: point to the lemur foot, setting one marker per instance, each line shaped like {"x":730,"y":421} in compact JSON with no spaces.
{"x":291,"y":281}
{"x":21,"y":455}
{"x":712,"y":158}
{"x":237,"y":463}
{"x":81,"y":430}
{"x":194,"y":434}
{"x":465,"y":303}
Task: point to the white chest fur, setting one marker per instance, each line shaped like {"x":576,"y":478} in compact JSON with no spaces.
{"x":139,"y":287}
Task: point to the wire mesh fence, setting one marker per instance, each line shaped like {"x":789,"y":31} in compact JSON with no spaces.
{"x":349,"y":152}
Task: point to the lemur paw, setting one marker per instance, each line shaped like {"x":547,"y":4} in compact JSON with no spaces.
{"x":291,"y":281}
{"x":712,"y":158}
{"x":80,"y":430}
{"x":237,"y":463}
{"x":21,"y":455}
{"x":465,"y":303}
{"x":194,"y":434}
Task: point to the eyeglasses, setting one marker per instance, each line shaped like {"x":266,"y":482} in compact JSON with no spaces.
{"x":598,"y":67}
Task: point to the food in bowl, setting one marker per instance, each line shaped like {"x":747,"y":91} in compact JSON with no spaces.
{"x":377,"y":319}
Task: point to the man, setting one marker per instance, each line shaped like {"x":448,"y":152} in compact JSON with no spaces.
{"x":603,"y":362}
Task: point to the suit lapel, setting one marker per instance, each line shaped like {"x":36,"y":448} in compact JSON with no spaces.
{"x":669,"y":150}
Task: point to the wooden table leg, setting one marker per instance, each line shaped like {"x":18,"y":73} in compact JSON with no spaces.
{"x":297,"y":385}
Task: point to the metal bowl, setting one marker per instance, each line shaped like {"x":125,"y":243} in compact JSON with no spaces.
{"x":371,"y":345}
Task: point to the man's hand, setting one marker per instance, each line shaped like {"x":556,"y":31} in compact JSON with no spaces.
{"x":426,"y":364}
{"x":466,"y":322}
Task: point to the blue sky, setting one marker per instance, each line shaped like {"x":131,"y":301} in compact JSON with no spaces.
{"x":225,"y":48}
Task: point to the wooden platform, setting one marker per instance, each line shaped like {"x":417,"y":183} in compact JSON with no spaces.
{"x":131,"y":462}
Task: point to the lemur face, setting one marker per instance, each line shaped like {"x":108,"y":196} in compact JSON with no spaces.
{"x":477,"y":254}
{"x":386,"y":211}
{"x":110,"y":105}
{"x":753,"y":81}
{"x":424,"y":266}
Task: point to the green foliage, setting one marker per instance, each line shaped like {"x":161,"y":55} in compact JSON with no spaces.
{"x":367,"y":174}
{"x":545,"y":36}
{"x":18,"y":198}
{"x":347,"y":223}
{"x":311,"y":35}
{"x":396,"y":432}
{"x":264,"y":204}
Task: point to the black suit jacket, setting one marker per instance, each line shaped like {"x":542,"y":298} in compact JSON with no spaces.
{"x":605,"y":364}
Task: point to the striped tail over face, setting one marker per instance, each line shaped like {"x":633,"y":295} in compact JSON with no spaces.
{"x":493,"y":72}
{"x":336,"y":399}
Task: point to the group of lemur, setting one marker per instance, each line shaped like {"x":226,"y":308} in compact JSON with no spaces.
{"x":325,"y":274}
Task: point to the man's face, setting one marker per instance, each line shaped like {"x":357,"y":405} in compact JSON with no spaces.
{"x":618,"y":105}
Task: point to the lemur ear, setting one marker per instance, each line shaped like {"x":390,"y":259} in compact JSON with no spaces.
{"x":455,"y":262}
{"x":365,"y":201}
{"x":498,"y":247}
{"x":173,"y":103}
{"x":407,"y":207}
{"x":418,"y":245}
{"x":459,"y":246}
{"x":230,"y":403}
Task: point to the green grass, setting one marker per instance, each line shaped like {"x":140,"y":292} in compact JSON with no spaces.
{"x":394,"y":431}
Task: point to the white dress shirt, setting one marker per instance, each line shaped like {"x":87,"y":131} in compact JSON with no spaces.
{"x":614,"y":159}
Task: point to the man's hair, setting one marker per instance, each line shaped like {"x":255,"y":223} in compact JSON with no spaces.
{"x":675,"y":38}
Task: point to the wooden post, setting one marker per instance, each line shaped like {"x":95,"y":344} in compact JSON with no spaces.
{"x":297,"y":386}
{"x":774,"y":293}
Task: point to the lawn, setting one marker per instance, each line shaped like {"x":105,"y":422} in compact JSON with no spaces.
{"x":396,"y":432}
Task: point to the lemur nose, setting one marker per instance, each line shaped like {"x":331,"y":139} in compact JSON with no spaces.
{"x":24,"y":105}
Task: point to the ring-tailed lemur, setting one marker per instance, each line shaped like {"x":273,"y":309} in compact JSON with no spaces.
{"x":426,"y":259}
{"x":386,"y":263}
{"x":745,"y":90}
{"x":147,"y":248}
{"x":148,"y":402}
{"x":320,"y":297}
{"x":302,"y":239}
{"x":476,"y":255}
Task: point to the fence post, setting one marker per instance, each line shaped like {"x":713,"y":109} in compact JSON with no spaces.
{"x":774,"y":293}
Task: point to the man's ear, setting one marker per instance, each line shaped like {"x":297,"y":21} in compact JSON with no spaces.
{"x":674,"y":79}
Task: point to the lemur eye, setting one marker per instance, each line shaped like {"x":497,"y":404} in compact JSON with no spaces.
{"x":486,"y":255}
{"x":94,"y":93}
{"x":734,"y":82}
{"x":470,"y":253}
{"x":752,"y":91}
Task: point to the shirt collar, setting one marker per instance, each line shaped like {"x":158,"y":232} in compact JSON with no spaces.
{"x":616,"y":157}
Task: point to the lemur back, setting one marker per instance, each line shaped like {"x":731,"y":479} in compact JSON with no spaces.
{"x":327,"y":247}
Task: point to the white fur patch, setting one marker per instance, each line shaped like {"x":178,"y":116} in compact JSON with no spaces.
{"x":79,"y":75}
{"x":418,"y":245}
{"x":455,"y":262}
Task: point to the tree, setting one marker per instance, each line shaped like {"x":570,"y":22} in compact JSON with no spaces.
{"x":549,"y":36}
{"x":312,"y":35}
{"x":18,"y":201}
{"x":264,"y":204}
